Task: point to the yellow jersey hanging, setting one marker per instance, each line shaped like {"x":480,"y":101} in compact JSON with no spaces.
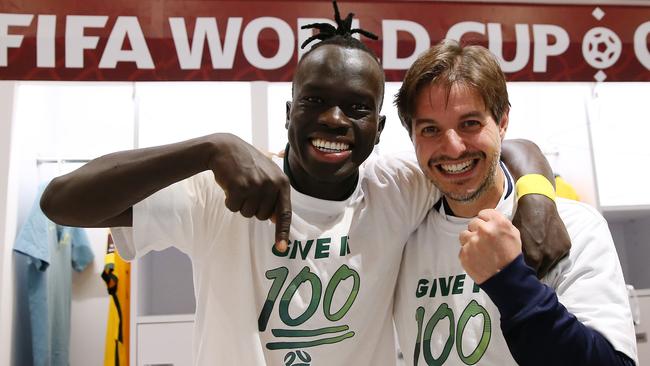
{"x":117,"y":274}
{"x":564,"y":189}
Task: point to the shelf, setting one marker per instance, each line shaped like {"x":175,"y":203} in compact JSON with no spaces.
{"x":642,"y":292}
{"x":176,"y":318}
{"x":625,"y":213}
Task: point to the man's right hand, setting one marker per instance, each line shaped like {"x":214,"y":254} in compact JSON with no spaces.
{"x":489,"y":244}
{"x":254,"y":186}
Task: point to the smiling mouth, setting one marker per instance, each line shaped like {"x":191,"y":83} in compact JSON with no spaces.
{"x":329,"y":146}
{"x":457,"y":168}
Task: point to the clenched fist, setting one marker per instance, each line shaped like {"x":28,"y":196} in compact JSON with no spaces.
{"x":489,"y":244}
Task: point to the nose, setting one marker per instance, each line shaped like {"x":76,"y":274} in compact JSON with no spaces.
{"x":453,"y":145}
{"x":334,"y":117}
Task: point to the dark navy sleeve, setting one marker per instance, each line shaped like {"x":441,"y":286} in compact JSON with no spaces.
{"x":538,"y":329}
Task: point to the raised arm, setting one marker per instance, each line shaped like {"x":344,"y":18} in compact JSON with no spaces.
{"x":543,"y":234}
{"x":102,"y":192}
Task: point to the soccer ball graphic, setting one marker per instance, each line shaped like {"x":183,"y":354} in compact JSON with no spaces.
{"x":601,"y":47}
{"x":297,"y":358}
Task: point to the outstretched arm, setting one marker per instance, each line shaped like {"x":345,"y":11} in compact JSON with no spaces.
{"x":544,"y":236}
{"x":102,"y":192}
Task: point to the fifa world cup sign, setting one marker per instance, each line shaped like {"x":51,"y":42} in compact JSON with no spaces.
{"x":260,"y":40}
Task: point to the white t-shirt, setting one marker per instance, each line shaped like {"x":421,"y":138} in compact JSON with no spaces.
{"x":328,"y":300}
{"x":589,"y":283}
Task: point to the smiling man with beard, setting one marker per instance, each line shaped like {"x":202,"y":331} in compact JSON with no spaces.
{"x":316,"y":287}
{"x":463,"y":270}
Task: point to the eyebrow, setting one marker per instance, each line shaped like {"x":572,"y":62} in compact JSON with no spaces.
{"x":358,"y":94}
{"x":472,"y":114}
{"x":423,"y":120}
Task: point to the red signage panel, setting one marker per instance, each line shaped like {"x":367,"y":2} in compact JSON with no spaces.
{"x":260,"y":40}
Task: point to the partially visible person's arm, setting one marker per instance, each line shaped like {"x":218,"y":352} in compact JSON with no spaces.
{"x":103,"y":191}
{"x":544,"y":237}
{"x":539,"y":330}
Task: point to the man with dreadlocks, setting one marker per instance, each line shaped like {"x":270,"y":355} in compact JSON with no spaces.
{"x":322,"y":293}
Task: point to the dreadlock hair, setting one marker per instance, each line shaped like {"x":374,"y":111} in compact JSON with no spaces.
{"x":341,"y":35}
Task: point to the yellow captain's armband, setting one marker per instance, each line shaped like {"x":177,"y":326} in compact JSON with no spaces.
{"x":534,"y":184}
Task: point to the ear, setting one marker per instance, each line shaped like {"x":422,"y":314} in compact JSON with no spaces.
{"x":503,"y":124}
{"x":380,"y":127}
{"x":286,"y":121}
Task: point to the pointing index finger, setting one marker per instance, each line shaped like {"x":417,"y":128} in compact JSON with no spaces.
{"x":282,"y":219}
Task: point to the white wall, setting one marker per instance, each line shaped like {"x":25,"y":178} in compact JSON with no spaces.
{"x":89,"y":308}
{"x":83,"y":121}
{"x":59,"y":120}
{"x":7,"y":220}
{"x":620,"y":125}
{"x":553,"y":115}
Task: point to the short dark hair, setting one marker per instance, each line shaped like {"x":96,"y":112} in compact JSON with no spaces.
{"x":449,"y":63}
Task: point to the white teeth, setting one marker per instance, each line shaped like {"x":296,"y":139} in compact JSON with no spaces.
{"x":329,"y":146}
{"x":457,"y":168}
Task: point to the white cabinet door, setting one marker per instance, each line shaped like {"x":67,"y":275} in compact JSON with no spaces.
{"x":165,"y":344}
{"x":620,"y":126}
{"x":553,"y":115}
{"x":172,"y":112}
